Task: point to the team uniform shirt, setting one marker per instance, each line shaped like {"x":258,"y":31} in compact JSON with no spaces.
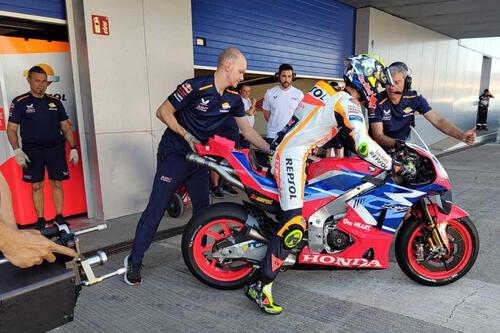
{"x":281,"y":103}
{"x":484,"y":101}
{"x":39,"y":120}
{"x":312,"y":125}
{"x":201,"y":111}
{"x":247,"y":104}
{"x":397,"y":119}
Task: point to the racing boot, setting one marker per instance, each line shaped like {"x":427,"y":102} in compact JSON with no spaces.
{"x":263,"y":296}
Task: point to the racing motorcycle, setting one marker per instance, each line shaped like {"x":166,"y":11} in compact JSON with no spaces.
{"x":353,"y":211}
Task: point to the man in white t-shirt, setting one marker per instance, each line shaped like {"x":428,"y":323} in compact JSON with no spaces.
{"x":249,"y":105}
{"x":280,"y":102}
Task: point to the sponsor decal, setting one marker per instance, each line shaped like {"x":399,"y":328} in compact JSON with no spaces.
{"x":65,"y":173}
{"x":275,"y":96}
{"x":182,"y":91}
{"x":30,"y":108}
{"x":358,"y":225}
{"x":252,"y":245}
{"x":328,"y":259}
{"x":407,"y":109}
{"x":386,"y":114}
{"x":379,"y":160}
{"x":261,"y":199}
{"x":363,"y":149}
{"x":290,"y":178}
{"x":355,"y":118}
{"x":27,"y":176}
{"x":166,"y":179}
{"x":52,"y":107}
{"x":354,"y":110}
{"x":203,"y":105}
{"x":318,"y":93}
{"x":226,"y":105}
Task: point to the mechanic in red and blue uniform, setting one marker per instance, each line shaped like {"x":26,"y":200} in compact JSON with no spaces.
{"x":194,"y":112}
{"x":395,"y":112}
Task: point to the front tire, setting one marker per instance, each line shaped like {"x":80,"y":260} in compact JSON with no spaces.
{"x":462,"y":252}
{"x":215,"y":223}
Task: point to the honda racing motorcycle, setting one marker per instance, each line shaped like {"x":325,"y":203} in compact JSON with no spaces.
{"x":353,"y":212}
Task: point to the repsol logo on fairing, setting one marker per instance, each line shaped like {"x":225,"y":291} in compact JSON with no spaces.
{"x":326,"y":259}
{"x":290,"y":178}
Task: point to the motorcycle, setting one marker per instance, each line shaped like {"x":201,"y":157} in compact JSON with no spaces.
{"x":353,"y":212}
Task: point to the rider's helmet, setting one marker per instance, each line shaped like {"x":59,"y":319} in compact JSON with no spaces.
{"x":367,"y":74}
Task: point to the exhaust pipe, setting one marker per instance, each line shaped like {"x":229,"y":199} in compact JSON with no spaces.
{"x":225,"y":172}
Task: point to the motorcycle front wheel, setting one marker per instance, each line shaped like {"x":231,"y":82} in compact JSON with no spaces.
{"x":419,"y":264}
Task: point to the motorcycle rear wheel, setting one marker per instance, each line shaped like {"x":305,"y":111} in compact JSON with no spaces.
{"x":215,"y":223}
{"x":462,"y":252}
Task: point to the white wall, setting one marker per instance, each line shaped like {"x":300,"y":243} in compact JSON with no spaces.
{"x":148,"y":52}
{"x":446,"y":71}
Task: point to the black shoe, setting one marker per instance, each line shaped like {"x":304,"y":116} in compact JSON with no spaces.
{"x":485,"y":128}
{"x":133,"y":275}
{"x":217,"y":193}
{"x":478,"y":127}
{"x":59,"y":219}
{"x":229,"y":190}
{"x":40,"y":224}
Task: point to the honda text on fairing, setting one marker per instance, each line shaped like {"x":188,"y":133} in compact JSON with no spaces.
{"x":353,"y":212}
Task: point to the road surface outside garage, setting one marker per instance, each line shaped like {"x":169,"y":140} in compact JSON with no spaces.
{"x":171,"y":300}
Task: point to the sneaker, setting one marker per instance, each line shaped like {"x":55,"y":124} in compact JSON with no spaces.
{"x":229,"y":190}
{"x":485,"y":128}
{"x":133,"y":275}
{"x":40,"y":224}
{"x":263,"y":296}
{"x":59,"y":219}
{"x":217,"y":193}
{"x":479,"y":127}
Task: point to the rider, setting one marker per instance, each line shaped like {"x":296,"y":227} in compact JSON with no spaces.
{"x":321,"y":110}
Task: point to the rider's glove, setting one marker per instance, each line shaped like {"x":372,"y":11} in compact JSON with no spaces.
{"x":191,"y":140}
{"x":73,"y":156}
{"x":21,"y":158}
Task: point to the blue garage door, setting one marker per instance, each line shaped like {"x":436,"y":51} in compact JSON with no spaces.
{"x":312,"y":35}
{"x":47,"y":8}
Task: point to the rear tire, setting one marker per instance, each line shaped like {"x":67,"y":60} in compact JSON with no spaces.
{"x":464,"y":248}
{"x":215,"y":223}
{"x":175,"y":206}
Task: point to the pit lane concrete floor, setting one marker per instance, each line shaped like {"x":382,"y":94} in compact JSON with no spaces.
{"x":171,"y":300}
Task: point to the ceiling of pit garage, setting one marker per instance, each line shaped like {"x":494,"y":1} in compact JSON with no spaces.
{"x":455,"y":18}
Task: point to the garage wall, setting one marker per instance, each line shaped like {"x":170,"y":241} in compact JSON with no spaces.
{"x":444,"y":70}
{"x":131,"y":72}
{"x":54,"y":9}
{"x":312,"y":35}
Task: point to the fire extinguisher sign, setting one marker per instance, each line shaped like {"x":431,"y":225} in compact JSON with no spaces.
{"x":100,"y":25}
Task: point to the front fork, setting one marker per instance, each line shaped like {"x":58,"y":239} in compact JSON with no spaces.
{"x":437,"y":238}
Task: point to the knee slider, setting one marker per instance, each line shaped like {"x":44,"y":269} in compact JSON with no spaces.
{"x":292,"y":232}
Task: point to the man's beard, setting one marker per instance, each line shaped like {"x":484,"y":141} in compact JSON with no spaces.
{"x":285,"y":84}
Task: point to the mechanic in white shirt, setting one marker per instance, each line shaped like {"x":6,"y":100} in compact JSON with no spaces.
{"x":280,"y":102}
